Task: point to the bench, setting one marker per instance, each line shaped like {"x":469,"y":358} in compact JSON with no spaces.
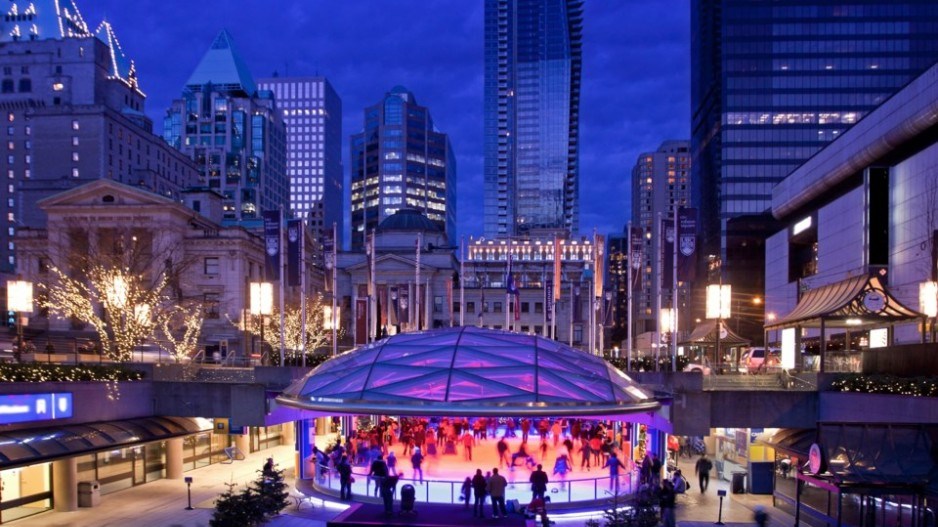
{"x":299,"y":499}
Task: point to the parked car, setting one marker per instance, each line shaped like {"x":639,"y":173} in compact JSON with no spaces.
{"x":756,"y":360}
{"x":701,"y":366}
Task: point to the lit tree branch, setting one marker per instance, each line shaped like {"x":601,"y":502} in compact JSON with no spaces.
{"x":189,"y":321}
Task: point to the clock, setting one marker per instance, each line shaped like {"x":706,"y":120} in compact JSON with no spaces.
{"x":874,"y":301}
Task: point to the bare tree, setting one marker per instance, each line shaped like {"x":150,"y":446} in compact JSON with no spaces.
{"x":317,"y":334}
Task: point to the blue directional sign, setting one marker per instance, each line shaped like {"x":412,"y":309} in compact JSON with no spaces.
{"x":34,"y":407}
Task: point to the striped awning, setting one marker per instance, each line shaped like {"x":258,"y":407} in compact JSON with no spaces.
{"x":862,"y":300}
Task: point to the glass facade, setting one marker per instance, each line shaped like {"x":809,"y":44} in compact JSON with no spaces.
{"x":773,"y":82}
{"x":401,"y":160}
{"x":26,"y":491}
{"x":531,"y":115}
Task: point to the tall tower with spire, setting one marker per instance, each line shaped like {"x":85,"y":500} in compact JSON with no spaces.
{"x":233,"y":132}
{"x":73,"y":109}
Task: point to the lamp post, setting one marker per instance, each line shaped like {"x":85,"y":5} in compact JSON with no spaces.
{"x":928,"y":305}
{"x":189,"y":492}
{"x":719,"y":302}
{"x":262,"y":302}
{"x":20,"y":301}
{"x":666,"y":323}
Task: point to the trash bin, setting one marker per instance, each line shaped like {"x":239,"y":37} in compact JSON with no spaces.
{"x":739,"y":482}
{"x":89,"y":494}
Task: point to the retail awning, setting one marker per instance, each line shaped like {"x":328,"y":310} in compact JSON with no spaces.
{"x":861,"y":300}
{"x":705,"y":334}
{"x":37,"y":445}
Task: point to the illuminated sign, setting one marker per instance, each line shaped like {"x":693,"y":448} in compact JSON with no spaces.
{"x":34,"y":407}
{"x":801,"y":226}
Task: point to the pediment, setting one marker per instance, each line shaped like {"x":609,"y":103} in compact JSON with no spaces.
{"x":390,"y":263}
{"x":105,"y":193}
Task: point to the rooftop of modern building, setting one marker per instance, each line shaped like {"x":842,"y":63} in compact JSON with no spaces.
{"x":223,"y":68}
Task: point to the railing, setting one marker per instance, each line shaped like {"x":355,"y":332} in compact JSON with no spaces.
{"x":570,"y":490}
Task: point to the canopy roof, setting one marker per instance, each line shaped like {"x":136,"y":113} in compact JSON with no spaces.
{"x":862,"y":300}
{"x":705,"y":334}
{"x":35,"y":445}
{"x":468,"y":371}
{"x":865,"y":455}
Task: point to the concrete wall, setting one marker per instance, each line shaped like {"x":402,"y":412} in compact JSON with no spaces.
{"x":738,"y":409}
{"x":870,"y":408}
{"x":244,"y":404}
{"x":908,"y":360}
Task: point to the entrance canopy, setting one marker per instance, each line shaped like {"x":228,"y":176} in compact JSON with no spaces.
{"x":469,"y":371}
{"x":705,"y":334}
{"x":861,"y":301}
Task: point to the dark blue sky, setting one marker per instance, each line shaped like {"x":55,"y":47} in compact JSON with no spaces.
{"x":636,"y":72}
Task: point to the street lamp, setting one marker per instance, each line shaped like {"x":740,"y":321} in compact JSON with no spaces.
{"x":719,"y":300}
{"x":262,"y":304}
{"x":20,"y":301}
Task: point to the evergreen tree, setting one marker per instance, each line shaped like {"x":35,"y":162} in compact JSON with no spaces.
{"x":272,"y":491}
{"x":238,"y":509}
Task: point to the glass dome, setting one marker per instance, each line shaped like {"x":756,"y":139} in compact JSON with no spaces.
{"x":468,"y":371}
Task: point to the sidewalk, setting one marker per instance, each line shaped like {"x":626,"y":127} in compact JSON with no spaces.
{"x":162,"y":503}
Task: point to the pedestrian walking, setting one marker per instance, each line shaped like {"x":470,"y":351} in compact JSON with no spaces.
{"x":702,"y":469}
{"x":345,"y":479}
{"x":666,"y":498}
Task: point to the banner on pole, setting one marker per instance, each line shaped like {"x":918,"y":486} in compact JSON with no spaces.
{"x":687,"y":244}
{"x":272,"y":245}
{"x":599,"y":261}
{"x":549,"y":302}
{"x":294,"y":239}
{"x":558,"y":268}
{"x":636,"y":248}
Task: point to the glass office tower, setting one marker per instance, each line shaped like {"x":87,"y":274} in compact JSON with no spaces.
{"x":531,"y":114}
{"x":773,"y":82}
{"x":400,"y":160}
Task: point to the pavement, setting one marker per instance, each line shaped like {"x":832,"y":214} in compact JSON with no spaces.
{"x":162,"y":503}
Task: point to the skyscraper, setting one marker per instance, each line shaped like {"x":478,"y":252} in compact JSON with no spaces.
{"x":233,"y":132}
{"x":74,"y":112}
{"x":660,"y":184}
{"x":773,"y":82}
{"x":531,"y":116}
{"x":400,"y":160}
{"x":312,"y":112}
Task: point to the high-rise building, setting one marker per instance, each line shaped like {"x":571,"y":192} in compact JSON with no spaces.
{"x":773,"y":82}
{"x":660,"y":184}
{"x":74,"y":113}
{"x":400,"y":160}
{"x":312,"y":112}
{"x":233,"y":132}
{"x":531,"y":116}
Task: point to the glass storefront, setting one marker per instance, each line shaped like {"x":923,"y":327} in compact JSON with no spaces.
{"x":264,"y":437}
{"x":123,"y":468}
{"x":25,"y":491}
{"x":205,"y":448}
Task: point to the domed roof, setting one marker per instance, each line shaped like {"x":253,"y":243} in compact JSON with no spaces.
{"x":408,"y":220}
{"x":469,"y":371}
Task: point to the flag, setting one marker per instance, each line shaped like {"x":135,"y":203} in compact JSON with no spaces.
{"x":272,"y":245}
{"x":294,"y":239}
{"x":687,"y":244}
{"x":511,"y":288}
{"x":482,"y":305}
{"x":636,"y":246}
{"x":599,"y":263}
{"x":558,"y":268}
{"x":667,"y":253}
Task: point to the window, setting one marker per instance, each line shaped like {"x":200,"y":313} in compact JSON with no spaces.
{"x":539,"y":307}
{"x":74,"y":156}
{"x":26,"y":85}
{"x":210,"y":305}
{"x":6,"y":86}
{"x":75,"y":124}
{"x":497,"y":307}
{"x":437,"y":304}
{"x":525,"y":307}
{"x":210,"y":265}
{"x":75,"y":172}
{"x":470,"y":307}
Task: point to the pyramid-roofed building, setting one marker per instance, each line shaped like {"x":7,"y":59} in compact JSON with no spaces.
{"x":223,"y":68}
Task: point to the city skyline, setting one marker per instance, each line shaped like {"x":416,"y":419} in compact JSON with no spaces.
{"x":620,"y":117}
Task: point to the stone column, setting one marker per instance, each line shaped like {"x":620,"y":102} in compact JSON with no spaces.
{"x":174,"y":457}
{"x":288,"y":433}
{"x":243,"y":441}
{"x":65,"y":484}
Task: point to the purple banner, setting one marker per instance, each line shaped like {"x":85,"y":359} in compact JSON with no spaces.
{"x":294,"y":239}
{"x":272,"y":245}
{"x":687,"y":244}
{"x":636,"y":250}
{"x":549,"y":302}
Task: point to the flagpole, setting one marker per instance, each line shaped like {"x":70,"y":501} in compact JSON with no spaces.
{"x":674,"y":331}
{"x":628,"y":316}
{"x":416,"y":297}
{"x":507,"y":292}
{"x":335,"y":343}
{"x":659,"y":277}
{"x":302,"y":235}
{"x":462,"y":282}
{"x":373,"y":293}
{"x":283,"y":275}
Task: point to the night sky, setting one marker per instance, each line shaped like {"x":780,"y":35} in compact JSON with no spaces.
{"x":635,"y":89}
